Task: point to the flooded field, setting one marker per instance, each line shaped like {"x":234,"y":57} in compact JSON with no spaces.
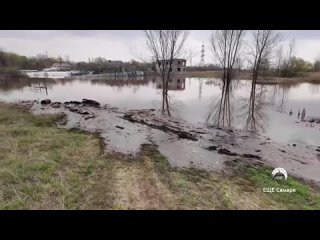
{"x":191,"y":99}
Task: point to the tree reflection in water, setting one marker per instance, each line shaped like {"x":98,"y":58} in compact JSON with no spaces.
{"x":175,"y":83}
{"x":221,"y":114}
{"x":169,"y":106}
{"x":279,"y":96}
{"x":34,"y":85}
{"x":252,"y":110}
{"x":165,"y":109}
{"x":244,"y":112}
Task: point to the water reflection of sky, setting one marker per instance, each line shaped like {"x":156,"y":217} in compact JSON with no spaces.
{"x":192,"y":99}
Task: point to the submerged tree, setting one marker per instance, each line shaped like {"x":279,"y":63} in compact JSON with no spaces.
{"x":287,"y":63}
{"x":317,"y":64}
{"x":226,"y":45}
{"x":263,"y":44}
{"x":279,"y":57}
{"x":165,"y":46}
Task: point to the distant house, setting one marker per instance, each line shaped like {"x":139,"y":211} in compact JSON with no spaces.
{"x":114,"y":66}
{"x":115,"y":63}
{"x":59,"y":67}
{"x":178,"y":65}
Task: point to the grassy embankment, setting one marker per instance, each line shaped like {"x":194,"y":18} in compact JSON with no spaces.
{"x":44,"y":167}
{"x":309,"y":77}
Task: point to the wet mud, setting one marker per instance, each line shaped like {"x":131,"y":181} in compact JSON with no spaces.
{"x":184,"y":144}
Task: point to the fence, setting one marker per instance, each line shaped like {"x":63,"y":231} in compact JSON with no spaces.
{"x":116,"y":75}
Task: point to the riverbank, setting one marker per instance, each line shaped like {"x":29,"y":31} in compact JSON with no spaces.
{"x":310,"y":77}
{"x":203,"y":74}
{"x":46,"y":167}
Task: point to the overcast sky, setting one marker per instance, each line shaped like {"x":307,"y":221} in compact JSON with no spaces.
{"x":125,"y":45}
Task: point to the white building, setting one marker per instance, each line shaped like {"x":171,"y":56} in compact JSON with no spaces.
{"x":59,"y":67}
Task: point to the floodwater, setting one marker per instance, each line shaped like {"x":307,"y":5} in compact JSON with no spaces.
{"x":192,"y":99}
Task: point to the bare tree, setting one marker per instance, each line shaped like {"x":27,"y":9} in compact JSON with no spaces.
{"x":165,"y":46}
{"x":239,"y":64}
{"x":317,"y":63}
{"x":67,"y":58}
{"x":189,"y":55}
{"x":60,"y":59}
{"x":279,"y":59}
{"x":263,"y":44}
{"x":226,"y":45}
{"x":287,"y":63}
{"x":292,"y":49}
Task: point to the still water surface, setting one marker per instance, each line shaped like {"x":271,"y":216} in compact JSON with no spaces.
{"x":191,"y":99}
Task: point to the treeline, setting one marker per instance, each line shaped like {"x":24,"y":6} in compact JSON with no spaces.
{"x":296,"y":66}
{"x":102,"y":65}
{"x":290,"y":68}
{"x":284,"y":65}
{"x":10,"y":63}
{"x":15,"y":61}
{"x":288,"y":65}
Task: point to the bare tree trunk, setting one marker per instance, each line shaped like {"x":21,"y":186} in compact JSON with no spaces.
{"x":165,"y":46}
{"x":263,"y":44}
{"x":226,"y":45}
{"x":287,"y":68}
{"x":280,"y":61}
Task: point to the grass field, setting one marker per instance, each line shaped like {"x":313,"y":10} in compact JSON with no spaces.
{"x":44,"y":167}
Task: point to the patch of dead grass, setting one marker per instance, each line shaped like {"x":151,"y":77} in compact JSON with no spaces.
{"x":43,"y":167}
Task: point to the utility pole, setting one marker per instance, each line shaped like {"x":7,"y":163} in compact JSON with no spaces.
{"x":202,"y":55}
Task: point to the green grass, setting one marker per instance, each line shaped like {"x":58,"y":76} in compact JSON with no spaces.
{"x":201,"y":189}
{"x":304,"y":198}
{"x":44,"y":167}
{"x":40,"y":165}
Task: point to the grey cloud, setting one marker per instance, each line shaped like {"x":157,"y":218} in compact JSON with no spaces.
{"x":124,"y":34}
{"x":28,"y":34}
{"x":113,"y":43}
{"x":301,"y":34}
{"x":41,"y":34}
